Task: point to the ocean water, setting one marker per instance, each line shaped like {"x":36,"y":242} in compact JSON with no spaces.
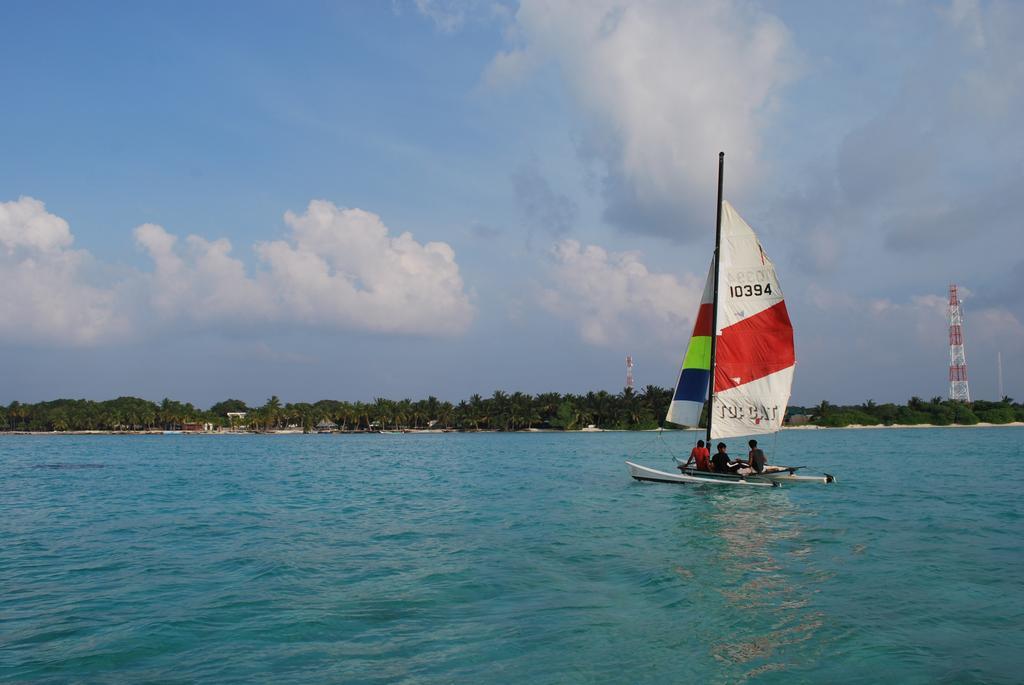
{"x":494,"y":558}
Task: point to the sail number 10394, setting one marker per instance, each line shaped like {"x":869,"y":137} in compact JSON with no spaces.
{"x":750,"y":290}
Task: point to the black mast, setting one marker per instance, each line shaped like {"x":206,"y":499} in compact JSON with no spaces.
{"x":714,"y":305}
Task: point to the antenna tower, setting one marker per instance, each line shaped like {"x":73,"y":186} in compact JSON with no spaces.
{"x":999,"y":372}
{"x":958,"y":389}
{"x":629,"y":371}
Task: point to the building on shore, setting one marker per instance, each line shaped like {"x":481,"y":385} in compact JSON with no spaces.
{"x":236,"y":420}
{"x":326,"y":426}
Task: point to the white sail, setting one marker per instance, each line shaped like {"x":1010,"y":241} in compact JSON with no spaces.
{"x":742,"y":315}
{"x":754,"y":354}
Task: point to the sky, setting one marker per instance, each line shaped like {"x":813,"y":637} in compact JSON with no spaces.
{"x":446,"y":197}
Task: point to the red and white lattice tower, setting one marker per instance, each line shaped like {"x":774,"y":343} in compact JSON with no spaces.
{"x":958,"y":389}
{"x":629,"y":371}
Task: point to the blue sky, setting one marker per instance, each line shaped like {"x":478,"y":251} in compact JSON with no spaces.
{"x":554,"y":163}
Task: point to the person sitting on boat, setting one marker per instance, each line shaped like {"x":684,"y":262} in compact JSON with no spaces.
{"x":721,"y":462}
{"x":701,"y":456}
{"x":756,"y":459}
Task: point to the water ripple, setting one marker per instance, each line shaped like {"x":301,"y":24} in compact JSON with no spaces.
{"x":502,"y":558}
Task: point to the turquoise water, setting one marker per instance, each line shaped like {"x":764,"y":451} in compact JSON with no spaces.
{"x":507,"y":558}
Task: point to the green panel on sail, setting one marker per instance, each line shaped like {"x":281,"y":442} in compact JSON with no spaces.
{"x":692,"y":385}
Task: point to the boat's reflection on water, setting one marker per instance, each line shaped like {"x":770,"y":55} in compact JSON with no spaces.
{"x":755,"y":557}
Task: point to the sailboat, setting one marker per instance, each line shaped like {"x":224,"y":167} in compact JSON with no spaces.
{"x":740,"y":358}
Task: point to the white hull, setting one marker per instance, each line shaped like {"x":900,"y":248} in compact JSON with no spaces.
{"x":783,"y":475}
{"x":653,"y":475}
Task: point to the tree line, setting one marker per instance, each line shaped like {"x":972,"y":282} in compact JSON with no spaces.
{"x":627,"y":410}
{"x":915,"y":412}
{"x":501,"y":411}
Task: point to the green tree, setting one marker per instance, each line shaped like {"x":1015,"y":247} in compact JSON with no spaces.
{"x":230,"y":405}
{"x":270,"y":412}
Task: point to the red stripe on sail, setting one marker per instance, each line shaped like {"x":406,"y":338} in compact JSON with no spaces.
{"x":754,"y":348}
{"x":703,"y":325}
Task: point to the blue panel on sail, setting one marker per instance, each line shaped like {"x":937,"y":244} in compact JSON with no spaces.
{"x":693,"y":385}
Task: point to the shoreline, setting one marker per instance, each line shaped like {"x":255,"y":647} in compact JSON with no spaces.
{"x":855,"y":426}
{"x":1012,"y":424}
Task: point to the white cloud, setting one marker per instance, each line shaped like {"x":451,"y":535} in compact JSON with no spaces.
{"x":25,"y":224}
{"x":341,"y":267}
{"x":508,"y":68}
{"x":920,"y":316}
{"x":944,"y":153}
{"x":966,"y":16}
{"x":663,"y":86}
{"x":895,"y":346}
{"x":449,"y":16}
{"x":47,"y":295}
{"x":993,"y":79}
{"x":336,"y":268}
{"x":201,"y":283}
{"x":997,"y":325}
{"x":614,"y":299}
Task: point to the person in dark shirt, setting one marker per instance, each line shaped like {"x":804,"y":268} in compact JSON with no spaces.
{"x":721,"y":463}
{"x":756,"y":459}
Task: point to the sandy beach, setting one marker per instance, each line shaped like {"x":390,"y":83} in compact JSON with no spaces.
{"x":528,"y":430}
{"x":900,"y":425}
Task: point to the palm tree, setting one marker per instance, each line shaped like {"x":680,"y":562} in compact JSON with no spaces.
{"x":431,"y":409}
{"x":271,"y":411}
{"x":498,"y":409}
{"x":382,"y":411}
{"x":445,"y":413}
{"x":403,"y":413}
{"x":17,"y":411}
{"x":518,"y":410}
{"x":463,"y":417}
{"x":343,"y":413}
{"x":170,"y":413}
{"x":632,"y":407}
{"x":477,"y":410}
{"x":59,"y":420}
{"x":547,"y":405}
{"x":361,"y":411}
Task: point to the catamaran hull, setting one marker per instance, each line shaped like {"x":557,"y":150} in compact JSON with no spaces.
{"x":644,"y":473}
{"x":778,"y":476}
